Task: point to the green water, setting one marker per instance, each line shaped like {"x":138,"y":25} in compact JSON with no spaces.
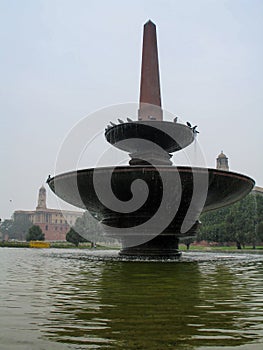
{"x":62,"y":299}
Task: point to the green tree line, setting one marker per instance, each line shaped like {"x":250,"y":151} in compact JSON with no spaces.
{"x":242,"y":223}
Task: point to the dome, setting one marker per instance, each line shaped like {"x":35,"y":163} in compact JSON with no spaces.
{"x":222,"y":155}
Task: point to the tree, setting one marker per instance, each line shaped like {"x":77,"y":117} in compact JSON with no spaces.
{"x":35,"y":234}
{"x":17,"y":227}
{"x":259,"y":230}
{"x":20,"y":226}
{"x":75,"y":238}
{"x":234,"y":223}
{"x":187,"y":241}
{"x":90,"y":228}
{"x":6,"y":227}
{"x":216,"y":226}
{"x":259,"y":217}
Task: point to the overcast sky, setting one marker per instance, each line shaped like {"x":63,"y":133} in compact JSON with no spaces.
{"x":62,"y":60}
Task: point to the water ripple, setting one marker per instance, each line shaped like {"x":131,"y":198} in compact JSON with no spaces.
{"x":71,"y":299}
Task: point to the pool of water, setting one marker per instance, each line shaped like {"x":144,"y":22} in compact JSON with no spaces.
{"x":74,"y":299}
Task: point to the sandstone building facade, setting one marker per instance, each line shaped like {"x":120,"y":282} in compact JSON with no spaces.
{"x":54,"y":223}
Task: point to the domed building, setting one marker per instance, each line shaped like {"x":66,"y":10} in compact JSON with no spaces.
{"x":54,"y":223}
{"x":258,"y":190}
{"x":222,"y":162}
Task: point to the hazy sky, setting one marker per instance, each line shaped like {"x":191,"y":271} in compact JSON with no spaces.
{"x":62,"y":60}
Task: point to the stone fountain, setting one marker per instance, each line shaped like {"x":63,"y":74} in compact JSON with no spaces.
{"x":170,"y":198}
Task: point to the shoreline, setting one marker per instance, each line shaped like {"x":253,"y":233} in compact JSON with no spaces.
{"x":182,"y":247}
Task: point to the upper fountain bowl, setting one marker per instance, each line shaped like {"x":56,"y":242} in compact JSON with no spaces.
{"x":170,"y":136}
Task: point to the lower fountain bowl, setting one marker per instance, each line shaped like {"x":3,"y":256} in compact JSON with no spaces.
{"x":194,"y":189}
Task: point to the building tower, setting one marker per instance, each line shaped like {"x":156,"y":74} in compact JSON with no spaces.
{"x":42,"y":196}
{"x":222,"y":162}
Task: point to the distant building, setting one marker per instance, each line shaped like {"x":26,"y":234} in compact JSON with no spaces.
{"x":54,"y":223}
{"x":258,"y":190}
{"x":222,"y":162}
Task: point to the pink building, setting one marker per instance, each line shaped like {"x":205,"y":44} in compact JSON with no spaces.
{"x":54,"y":223}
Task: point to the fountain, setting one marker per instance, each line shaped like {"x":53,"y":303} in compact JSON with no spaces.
{"x":150,"y":204}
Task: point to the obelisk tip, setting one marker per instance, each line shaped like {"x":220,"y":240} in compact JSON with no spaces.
{"x":150,"y":22}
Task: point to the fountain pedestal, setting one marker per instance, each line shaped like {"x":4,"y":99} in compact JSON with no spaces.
{"x":163,"y":246}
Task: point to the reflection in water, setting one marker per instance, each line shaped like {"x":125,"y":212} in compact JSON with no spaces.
{"x":133,"y":305}
{"x":61,"y":299}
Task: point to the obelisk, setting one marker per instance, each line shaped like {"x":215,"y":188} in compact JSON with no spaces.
{"x":150,"y":92}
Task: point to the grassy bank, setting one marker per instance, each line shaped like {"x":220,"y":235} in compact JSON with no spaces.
{"x":182,"y":247}
{"x":202,"y":248}
{"x":14,"y":244}
{"x":58,"y":245}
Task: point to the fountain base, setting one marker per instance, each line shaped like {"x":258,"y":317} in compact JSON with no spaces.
{"x":162,"y":246}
